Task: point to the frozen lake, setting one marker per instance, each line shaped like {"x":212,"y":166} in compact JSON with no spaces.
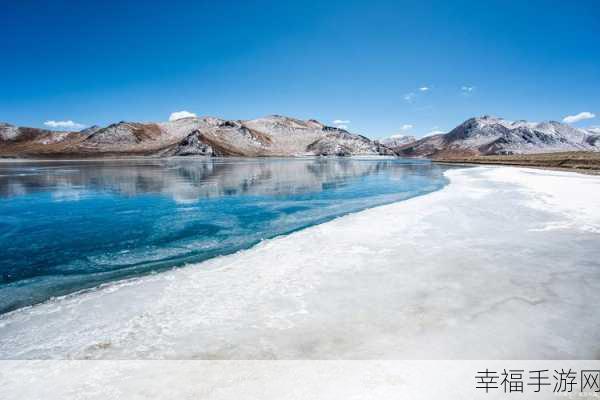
{"x":66,"y":226}
{"x":501,"y":263}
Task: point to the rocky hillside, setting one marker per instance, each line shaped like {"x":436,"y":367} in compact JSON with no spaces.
{"x":495,"y":136}
{"x":270,"y":136}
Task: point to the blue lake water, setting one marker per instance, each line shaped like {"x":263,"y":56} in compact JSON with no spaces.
{"x":71,"y":225}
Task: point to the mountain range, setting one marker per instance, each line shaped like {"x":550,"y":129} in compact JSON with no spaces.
{"x":277,"y":135}
{"x":274,"y":135}
{"x":496,"y":136}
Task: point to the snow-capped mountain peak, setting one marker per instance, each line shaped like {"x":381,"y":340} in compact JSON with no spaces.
{"x":492,"y":135}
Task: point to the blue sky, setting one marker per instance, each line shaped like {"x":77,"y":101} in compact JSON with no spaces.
{"x":385,"y":66}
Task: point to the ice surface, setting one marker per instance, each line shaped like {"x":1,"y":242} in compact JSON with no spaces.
{"x":502,"y":263}
{"x":282,"y":379}
{"x":68,"y":226}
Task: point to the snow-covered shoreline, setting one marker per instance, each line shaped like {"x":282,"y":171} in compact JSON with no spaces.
{"x":501,"y":263}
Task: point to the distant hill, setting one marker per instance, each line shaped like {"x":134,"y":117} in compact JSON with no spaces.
{"x":269,"y":136}
{"x":395,"y":142}
{"x":496,"y":136}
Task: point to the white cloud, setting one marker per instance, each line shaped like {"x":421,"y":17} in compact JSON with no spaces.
{"x":406,"y":127}
{"x":410,"y":97}
{"x":341,"y":123}
{"x":569,"y":119}
{"x":467,"y":91}
{"x":181,"y":114}
{"x":67,"y":125}
{"x":424,"y":88}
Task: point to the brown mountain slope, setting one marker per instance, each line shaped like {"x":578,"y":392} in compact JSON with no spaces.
{"x":270,"y":136}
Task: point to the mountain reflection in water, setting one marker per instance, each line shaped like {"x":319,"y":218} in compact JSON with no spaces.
{"x":66,"y":226}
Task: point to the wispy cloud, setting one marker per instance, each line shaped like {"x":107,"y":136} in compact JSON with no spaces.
{"x":341,"y":123}
{"x":406,"y":127}
{"x":409,"y":97}
{"x":466,"y":90}
{"x":569,"y":119}
{"x":181,"y":114}
{"x":66,"y":125}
